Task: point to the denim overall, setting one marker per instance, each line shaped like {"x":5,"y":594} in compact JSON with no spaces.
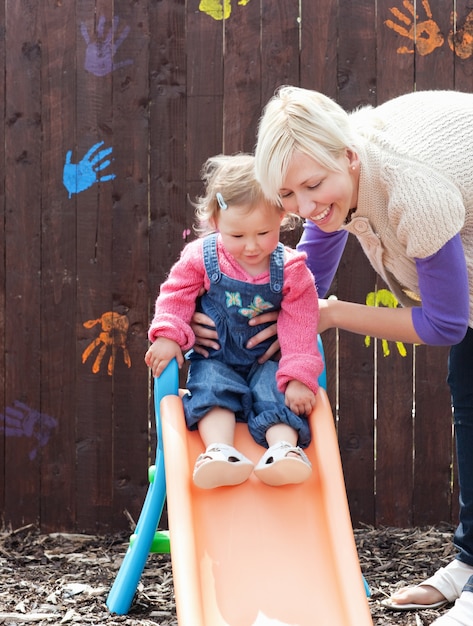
{"x":231,"y":377}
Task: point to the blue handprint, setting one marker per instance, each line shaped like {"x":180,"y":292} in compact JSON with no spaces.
{"x":99,"y":54}
{"x":80,"y":176}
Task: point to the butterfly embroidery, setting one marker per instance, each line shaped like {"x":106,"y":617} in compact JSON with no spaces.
{"x":256,"y":307}
{"x":233,"y":298}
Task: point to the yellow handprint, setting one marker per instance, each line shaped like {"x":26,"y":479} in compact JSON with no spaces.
{"x":383,"y":297}
{"x":219,"y":9}
{"x":426,"y":35}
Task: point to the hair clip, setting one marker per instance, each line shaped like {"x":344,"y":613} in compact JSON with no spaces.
{"x":221,"y":202}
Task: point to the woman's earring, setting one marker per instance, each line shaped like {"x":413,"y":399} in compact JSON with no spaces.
{"x":353,"y":167}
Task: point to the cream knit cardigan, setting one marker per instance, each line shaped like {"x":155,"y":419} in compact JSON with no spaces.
{"x":416,"y":184}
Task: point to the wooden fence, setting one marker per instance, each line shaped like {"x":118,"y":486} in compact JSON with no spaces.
{"x":109,"y":110}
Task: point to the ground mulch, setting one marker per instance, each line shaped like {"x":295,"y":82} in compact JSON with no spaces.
{"x":52,"y":579}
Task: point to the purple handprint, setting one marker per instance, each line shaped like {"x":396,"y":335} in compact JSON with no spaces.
{"x":99,"y":54}
{"x":21,"y":421}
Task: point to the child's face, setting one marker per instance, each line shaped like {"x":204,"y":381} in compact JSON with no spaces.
{"x":250,"y":235}
{"x":318,"y":194}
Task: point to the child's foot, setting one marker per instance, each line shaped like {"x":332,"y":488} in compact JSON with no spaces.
{"x":220,"y":466}
{"x":283,"y":464}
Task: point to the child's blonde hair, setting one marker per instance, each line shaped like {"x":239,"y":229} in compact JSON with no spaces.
{"x":229,"y":181}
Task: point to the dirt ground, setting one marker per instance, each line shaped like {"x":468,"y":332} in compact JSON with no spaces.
{"x":64,"y":579}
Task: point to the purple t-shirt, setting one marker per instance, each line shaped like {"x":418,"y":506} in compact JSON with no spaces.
{"x":442,"y":319}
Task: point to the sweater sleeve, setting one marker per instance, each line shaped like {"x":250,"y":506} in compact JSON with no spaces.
{"x":324,"y":251}
{"x":442,"y":320}
{"x":297,"y":327}
{"x":175,"y":304}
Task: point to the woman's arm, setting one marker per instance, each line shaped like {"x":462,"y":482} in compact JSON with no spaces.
{"x":380,"y":322}
{"x":324,"y":251}
{"x":441,"y":320}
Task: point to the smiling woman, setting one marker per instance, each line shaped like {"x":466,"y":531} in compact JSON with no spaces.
{"x":324,"y":196}
{"x":398,"y":177}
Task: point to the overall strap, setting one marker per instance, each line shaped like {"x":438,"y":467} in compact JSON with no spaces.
{"x":276,"y":269}
{"x":211,"y":259}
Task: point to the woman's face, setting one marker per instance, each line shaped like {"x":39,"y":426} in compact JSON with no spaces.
{"x":323,"y":196}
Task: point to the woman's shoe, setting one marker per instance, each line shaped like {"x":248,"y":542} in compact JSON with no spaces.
{"x":283,"y":464}
{"x":221,"y":466}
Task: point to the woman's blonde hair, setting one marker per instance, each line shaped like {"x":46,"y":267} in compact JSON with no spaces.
{"x":303,"y":120}
{"x":229,"y":180}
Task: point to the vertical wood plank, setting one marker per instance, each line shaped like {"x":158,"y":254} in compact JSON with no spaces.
{"x":459,"y":39}
{"x":356,"y":392}
{"x":130,"y":254}
{"x":434,"y":59}
{"x":242,"y":78}
{"x":94,"y":275}
{"x":169,"y":212}
{"x":2,"y":274}
{"x":433,"y":445}
{"x":434,"y":63}
{"x":395,"y":52}
{"x":356,"y":75}
{"x":394,"y":433}
{"x":318,"y":71}
{"x":280,"y":54}
{"x":58,"y":271}
{"x":22,"y":258}
{"x":394,"y":373}
{"x":205,"y":84}
{"x":319,"y":33}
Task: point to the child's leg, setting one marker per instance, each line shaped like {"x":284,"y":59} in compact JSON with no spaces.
{"x":275,"y":425}
{"x":221,"y":464}
{"x":281,"y":432}
{"x":218,"y":426}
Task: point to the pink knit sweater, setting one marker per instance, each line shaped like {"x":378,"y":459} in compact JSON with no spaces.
{"x":297,"y":320}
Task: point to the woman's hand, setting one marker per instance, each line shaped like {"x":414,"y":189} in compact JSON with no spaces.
{"x":270,"y":331}
{"x":324,"y":315}
{"x":204,"y":337}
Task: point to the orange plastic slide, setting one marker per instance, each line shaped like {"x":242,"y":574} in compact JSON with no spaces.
{"x":255,"y":555}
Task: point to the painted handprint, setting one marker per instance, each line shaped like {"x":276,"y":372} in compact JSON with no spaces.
{"x":219,"y":9}
{"x":20,"y":420}
{"x":80,"y":176}
{"x":460,"y":39}
{"x":100,"y":53}
{"x":383,"y":297}
{"x":113,"y":335}
{"x":425,"y":35}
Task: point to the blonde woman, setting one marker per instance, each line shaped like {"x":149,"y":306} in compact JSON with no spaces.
{"x":399,"y":177}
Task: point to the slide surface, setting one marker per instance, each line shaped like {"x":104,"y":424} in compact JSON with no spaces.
{"x":255,"y":555}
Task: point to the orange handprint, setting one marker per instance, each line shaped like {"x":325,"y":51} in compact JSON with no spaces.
{"x":425,"y":35}
{"x":460,"y":40}
{"x":114,"y":333}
